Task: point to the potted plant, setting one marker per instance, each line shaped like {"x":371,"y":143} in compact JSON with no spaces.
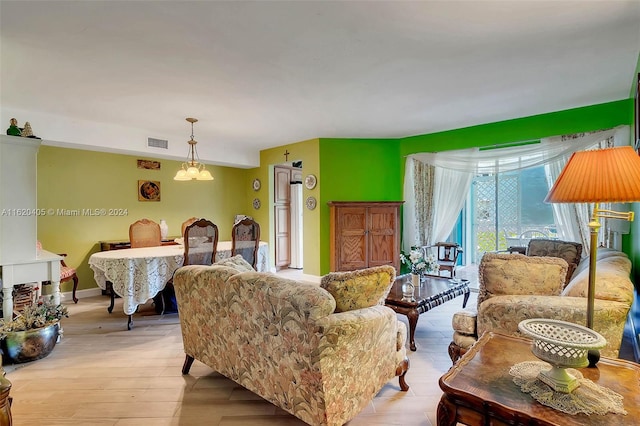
{"x":33,"y":333}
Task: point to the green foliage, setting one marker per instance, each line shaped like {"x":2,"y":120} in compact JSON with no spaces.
{"x":41,"y":314}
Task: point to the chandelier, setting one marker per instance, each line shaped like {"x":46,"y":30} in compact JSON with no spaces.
{"x":192,"y":169}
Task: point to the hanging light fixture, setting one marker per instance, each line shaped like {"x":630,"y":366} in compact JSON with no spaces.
{"x":192,"y":169}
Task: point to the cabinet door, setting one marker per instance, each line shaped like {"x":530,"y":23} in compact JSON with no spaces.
{"x":383,"y":236}
{"x":351,"y":238}
{"x":282,"y":211}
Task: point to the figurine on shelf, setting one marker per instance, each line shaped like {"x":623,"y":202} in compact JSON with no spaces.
{"x":27,"y":132}
{"x":13,"y":129}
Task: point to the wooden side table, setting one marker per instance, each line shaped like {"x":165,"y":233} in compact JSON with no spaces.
{"x":479,"y":390}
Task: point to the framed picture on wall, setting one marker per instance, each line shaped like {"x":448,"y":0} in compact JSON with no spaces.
{"x":148,"y":190}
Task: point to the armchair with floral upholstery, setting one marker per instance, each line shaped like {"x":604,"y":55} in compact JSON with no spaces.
{"x":514,"y":287}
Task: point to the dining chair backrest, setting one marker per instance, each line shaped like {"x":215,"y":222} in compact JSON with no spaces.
{"x":187,"y":223}
{"x":200,"y":243}
{"x":144,"y":233}
{"x":245,"y":240}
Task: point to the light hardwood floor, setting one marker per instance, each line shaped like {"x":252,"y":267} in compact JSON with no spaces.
{"x":102,"y":374}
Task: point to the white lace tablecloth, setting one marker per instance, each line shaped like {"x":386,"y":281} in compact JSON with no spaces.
{"x":138,"y":274}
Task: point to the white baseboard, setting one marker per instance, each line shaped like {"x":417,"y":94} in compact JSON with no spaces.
{"x":67,"y":296}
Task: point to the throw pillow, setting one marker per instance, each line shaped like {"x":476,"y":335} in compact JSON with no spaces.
{"x":502,"y":274}
{"x":236,"y":262}
{"x":359,"y":289}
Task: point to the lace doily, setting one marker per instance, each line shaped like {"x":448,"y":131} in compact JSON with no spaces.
{"x":588,"y":398}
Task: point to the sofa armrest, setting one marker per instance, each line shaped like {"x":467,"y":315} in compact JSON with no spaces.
{"x":358,"y":355}
{"x":465,"y":321}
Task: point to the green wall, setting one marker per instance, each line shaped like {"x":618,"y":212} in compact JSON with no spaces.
{"x":356,"y":170}
{"x":595,"y":117}
{"x":72,"y":179}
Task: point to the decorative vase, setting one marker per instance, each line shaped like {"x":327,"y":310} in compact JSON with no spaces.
{"x":409,"y":288}
{"x":164,"y":229}
{"x":30,"y":345}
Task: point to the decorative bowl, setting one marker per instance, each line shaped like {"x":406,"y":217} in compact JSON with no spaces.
{"x":563,"y":345}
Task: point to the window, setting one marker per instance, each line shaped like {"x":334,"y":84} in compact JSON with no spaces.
{"x":504,"y":206}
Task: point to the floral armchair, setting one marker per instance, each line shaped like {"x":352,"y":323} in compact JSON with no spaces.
{"x":514,"y":287}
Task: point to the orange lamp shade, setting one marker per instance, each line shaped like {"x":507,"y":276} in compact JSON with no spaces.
{"x":610,"y":175}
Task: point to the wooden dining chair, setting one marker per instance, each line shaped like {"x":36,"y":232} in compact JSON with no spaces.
{"x":144,"y":233}
{"x":245,"y":240}
{"x":200,"y":243}
{"x":67,"y":273}
{"x":187,"y":223}
{"x":200,"y":240}
{"x":447,"y":254}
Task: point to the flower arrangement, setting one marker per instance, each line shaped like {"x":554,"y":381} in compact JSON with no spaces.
{"x":41,"y":314}
{"x":418,"y":264}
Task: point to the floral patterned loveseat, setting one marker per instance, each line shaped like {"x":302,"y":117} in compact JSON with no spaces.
{"x":285,"y":341}
{"x":514,"y":287}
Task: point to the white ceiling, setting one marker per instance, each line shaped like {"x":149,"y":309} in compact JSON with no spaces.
{"x":265,"y":73}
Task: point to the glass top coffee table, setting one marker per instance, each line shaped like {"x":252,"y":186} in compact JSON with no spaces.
{"x":432,"y":292}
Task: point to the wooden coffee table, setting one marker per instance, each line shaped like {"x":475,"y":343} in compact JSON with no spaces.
{"x":479,"y":390}
{"x":433,"y":291}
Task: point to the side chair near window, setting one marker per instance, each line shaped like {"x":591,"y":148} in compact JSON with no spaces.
{"x":519,"y":244}
{"x":145,"y":233}
{"x":447,"y":256}
{"x":245,"y":240}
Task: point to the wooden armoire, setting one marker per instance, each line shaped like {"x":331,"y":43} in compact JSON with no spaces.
{"x":364,"y":234}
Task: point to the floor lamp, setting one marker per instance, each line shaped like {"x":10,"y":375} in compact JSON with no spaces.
{"x":610,"y":175}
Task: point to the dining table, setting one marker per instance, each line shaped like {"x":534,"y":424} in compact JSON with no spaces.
{"x":139,"y":274}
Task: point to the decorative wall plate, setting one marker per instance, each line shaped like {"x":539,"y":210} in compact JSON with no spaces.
{"x":256,"y":184}
{"x":310,"y":181}
{"x":256,"y":203}
{"x":311,"y":203}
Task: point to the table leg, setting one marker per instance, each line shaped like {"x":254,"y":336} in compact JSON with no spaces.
{"x":7,"y":303}
{"x":466,"y":298}
{"x":413,"y":322}
{"x":55,"y":287}
{"x":112,"y":294}
{"x":447,"y":412}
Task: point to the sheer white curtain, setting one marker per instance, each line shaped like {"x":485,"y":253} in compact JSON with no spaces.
{"x":572,"y":219}
{"x":444,"y":191}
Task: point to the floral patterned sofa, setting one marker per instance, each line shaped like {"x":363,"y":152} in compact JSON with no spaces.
{"x":321,"y":355}
{"x":514,"y":287}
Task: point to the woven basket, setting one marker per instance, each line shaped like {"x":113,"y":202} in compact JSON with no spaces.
{"x":561,"y":343}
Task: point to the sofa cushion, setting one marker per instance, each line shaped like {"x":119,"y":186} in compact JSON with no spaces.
{"x":570,"y":251}
{"x":602,"y":253}
{"x":236,"y":262}
{"x":612,"y":280}
{"x":501,"y":274}
{"x":463,"y":340}
{"x":359,"y":289}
